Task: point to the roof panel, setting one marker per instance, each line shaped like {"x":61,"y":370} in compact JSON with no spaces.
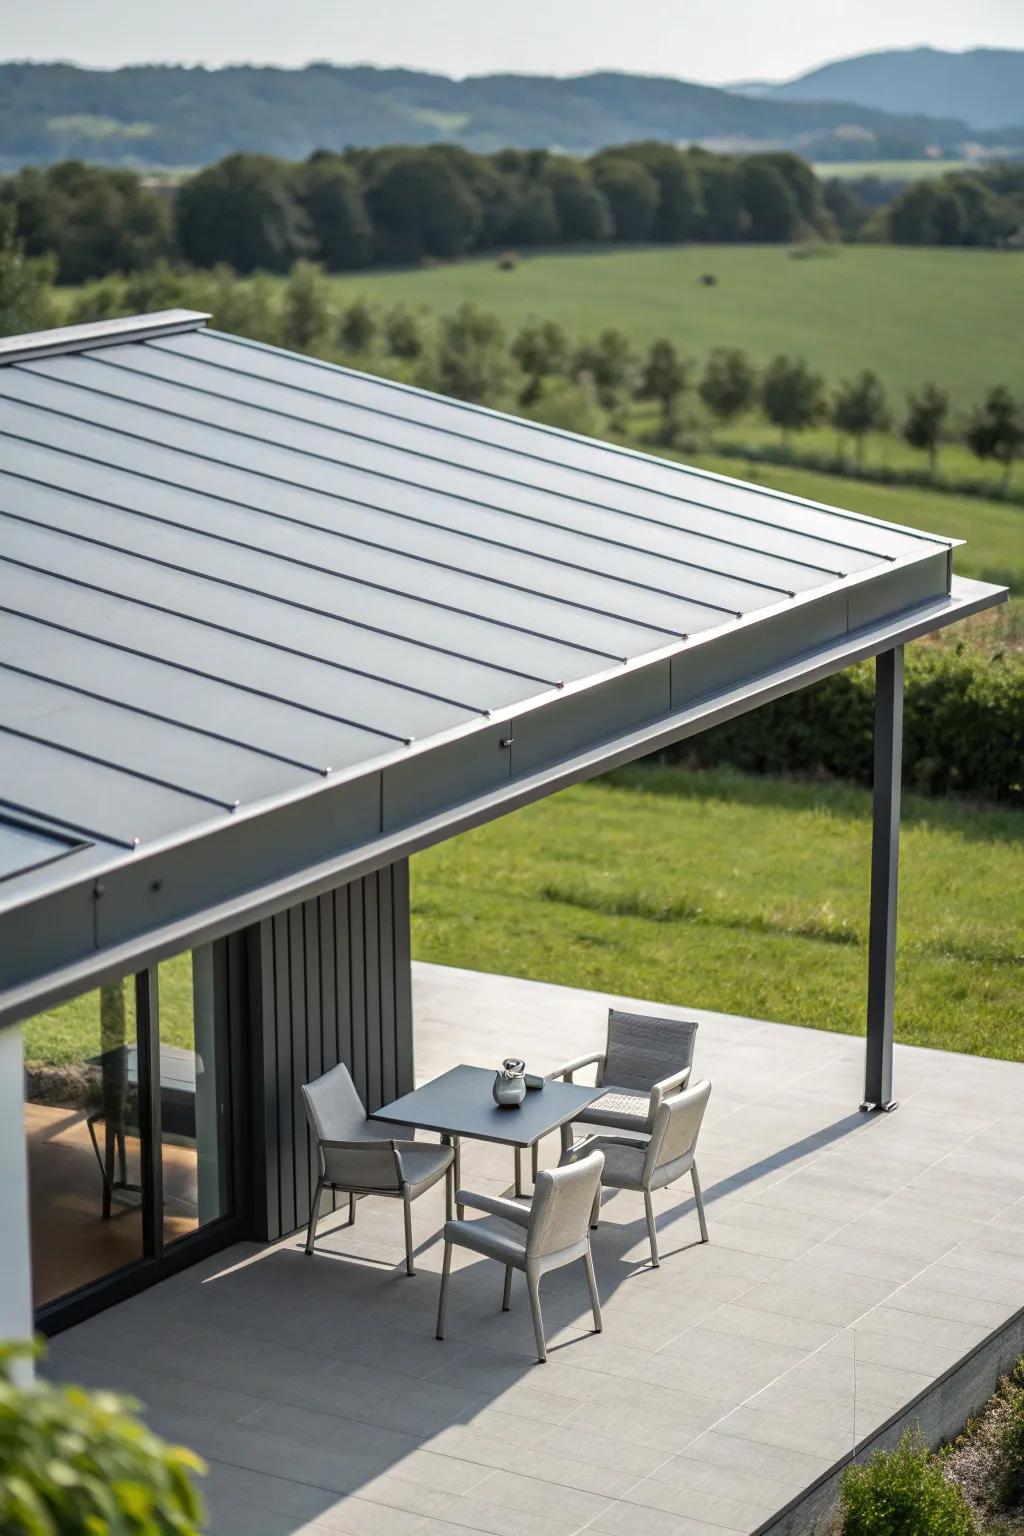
{"x":229,"y":573}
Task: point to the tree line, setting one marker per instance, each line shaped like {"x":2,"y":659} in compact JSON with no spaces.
{"x":591,"y":385}
{"x":351,"y":210}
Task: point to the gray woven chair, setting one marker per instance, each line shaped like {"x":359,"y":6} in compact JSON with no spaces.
{"x":659,"y":1159}
{"x":552,"y":1231}
{"x":645,"y":1058}
{"x":357,"y":1160}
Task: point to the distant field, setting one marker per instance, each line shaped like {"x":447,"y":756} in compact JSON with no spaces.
{"x":910,"y":314}
{"x":890,"y":170}
{"x":744,"y":894}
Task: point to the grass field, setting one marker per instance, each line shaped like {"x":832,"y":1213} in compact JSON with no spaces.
{"x":910,"y":314}
{"x":889,"y":170}
{"x":747,"y":895}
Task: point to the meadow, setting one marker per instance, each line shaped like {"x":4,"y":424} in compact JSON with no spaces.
{"x":744,"y":894}
{"x":889,"y":170}
{"x":911,"y":314}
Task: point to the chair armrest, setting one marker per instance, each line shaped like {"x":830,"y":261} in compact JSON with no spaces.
{"x":660,"y":1091}
{"x":570,"y":1067}
{"x":494,"y":1205}
{"x":370,"y":1164}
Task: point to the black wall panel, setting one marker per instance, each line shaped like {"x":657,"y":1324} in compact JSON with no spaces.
{"x":329,"y":981}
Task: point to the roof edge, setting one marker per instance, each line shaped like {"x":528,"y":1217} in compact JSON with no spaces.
{"x":95,"y":333}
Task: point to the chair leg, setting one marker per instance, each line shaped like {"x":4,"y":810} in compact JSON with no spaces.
{"x":595,"y":1299}
{"x":534,"y":1161}
{"x":407,"y":1206}
{"x":595,"y":1214}
{"x":699,"y":1198}
{"x":651,"y":1229}
{"x":314,"y":1212}
{"x":506,"y":1297}
{"x":351,"y":1210}
{"x":533,"y":1286}
{"x":449,"y":1193}
{"x":442,"y":1300}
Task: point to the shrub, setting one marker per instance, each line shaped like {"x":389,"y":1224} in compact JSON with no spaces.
{"x":903,"y":1493}
{"x":1009,"y":1483}
{"x":77,"y":1463}
{"x":963,"y":726}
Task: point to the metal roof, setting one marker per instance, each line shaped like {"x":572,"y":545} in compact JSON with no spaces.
{"x":239,"y":584}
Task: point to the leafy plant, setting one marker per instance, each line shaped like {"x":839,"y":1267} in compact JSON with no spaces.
{"x":77,"y":1463}
{"x":904,"y":1493}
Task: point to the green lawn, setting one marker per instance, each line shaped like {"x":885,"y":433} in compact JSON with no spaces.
{"x":747,"y":895}
{"x":910,"y":314}
{"x":889,"y":170}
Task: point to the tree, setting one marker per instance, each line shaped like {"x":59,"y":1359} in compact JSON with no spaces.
{"x":332,"y":196}
{"x":680,"y":208}
{"x":94,"y":221}
{"x":721,"y":197}
{"x":926,"y":414}
{"x":792,"y":396}
{"x":610,"y":363}
{"x":583,"y":212}
{"x":995,"y":430}
{"x":243,"y":211}
{"x":533,"y":219}
{"x":729,"y":383}
{"x":25,"y":301}
{"x":421,"y":207}
{"x":773,"y":213}
{"x":860,"y":406}
{"x":666,"y":377}
{"x":358,"y":328}
{"x":306,"y":311}
{"x":541,"y":350}
{"x":632,"y":195}
{"x":403,"y":333}
{"x":472,"y":363}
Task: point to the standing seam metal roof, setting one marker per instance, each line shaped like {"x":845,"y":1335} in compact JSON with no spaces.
{"x":227,"y":572}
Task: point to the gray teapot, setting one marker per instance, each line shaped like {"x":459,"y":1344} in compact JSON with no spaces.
{"x":509,"y":1086}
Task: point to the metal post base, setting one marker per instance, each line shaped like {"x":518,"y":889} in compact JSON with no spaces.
{"x":879,"y":1109}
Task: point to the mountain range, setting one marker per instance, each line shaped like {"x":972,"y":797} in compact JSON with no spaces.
{"x":163,"y":116}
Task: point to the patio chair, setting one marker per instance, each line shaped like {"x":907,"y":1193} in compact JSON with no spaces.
{"x":553,"y":1230}
{"x":649,"y":1164}
{"x":645,"y":1058}
{"x":356,"y":1160}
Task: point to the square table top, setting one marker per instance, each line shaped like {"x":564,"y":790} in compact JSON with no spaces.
{"x":459,"y":1103}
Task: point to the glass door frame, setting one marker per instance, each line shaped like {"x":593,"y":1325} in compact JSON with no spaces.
{"x":161,"y":1258}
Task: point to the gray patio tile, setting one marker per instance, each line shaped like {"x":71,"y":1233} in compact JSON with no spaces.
{"x":525,"y":1437}
{"x":717,"y":1508}
{"x":860,"y":1343}
{"x":623,"y":1520}
{"x":755,"y":1490}
{"x":852,"y":1376}
{"x":799,"y":1302}
{"x":830,"y":1258}
{"x":792,"y":1432}
{"x":156,"y":1391}
{"x":772,"y":1327}
{"x":935,"y":1331}
{"x":393,"y":1491}
{"x":920,"y":1298}
{"x":629,"y":1420}
{"x":722,"y":1447}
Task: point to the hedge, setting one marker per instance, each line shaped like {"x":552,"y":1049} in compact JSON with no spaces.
{"x":963,"y":727}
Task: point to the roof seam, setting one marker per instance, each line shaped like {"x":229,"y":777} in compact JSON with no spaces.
{"x":581,"y":533}
{"x":605,"y":447}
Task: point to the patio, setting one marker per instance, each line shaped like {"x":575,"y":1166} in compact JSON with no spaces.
{"x":853,"y":1261}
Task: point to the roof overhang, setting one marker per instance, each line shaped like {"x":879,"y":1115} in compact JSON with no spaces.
{"x":231,"y":567}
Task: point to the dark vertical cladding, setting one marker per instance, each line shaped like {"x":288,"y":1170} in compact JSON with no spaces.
{"x":329,"y":981}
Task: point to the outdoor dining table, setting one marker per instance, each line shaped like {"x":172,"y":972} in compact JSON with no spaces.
{"x":459,"y":1103}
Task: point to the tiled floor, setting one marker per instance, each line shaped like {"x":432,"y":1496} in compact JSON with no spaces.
{"x":851,"y":1261}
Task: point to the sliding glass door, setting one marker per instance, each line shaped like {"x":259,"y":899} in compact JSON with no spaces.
{"x":132,"y":1106}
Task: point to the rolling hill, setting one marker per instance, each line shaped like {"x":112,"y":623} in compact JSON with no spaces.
{"x":169,"y":116}
{"x":984,"y":86}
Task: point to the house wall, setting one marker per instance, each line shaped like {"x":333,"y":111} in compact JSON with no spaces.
{"x":15,"y":1257}
{"x":328,"y":980}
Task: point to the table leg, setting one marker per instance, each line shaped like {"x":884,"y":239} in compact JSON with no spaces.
{"x":567,"y":1137}
{"x":519,"y":1173}
{"x":460,"y":1210}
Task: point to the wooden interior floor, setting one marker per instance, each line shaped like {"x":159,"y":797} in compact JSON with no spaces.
{"x":72,"y":1244}
{"x":852,"y":1261}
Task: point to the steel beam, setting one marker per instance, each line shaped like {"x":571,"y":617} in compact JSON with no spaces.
{"x":885,"y":856}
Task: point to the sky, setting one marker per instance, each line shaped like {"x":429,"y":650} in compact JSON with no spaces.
{"x":713,"y":41}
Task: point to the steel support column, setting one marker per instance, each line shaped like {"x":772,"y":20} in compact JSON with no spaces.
{"x":885,"y":854}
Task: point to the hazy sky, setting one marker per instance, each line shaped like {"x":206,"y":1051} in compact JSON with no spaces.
{"x":709,"y":40}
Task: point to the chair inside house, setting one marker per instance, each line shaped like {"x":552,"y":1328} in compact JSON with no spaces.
{"x":649,"y":1163}
{"x":355,"y":1159}
{"x":553,"y":1230}
{"x":645,"y":1058}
